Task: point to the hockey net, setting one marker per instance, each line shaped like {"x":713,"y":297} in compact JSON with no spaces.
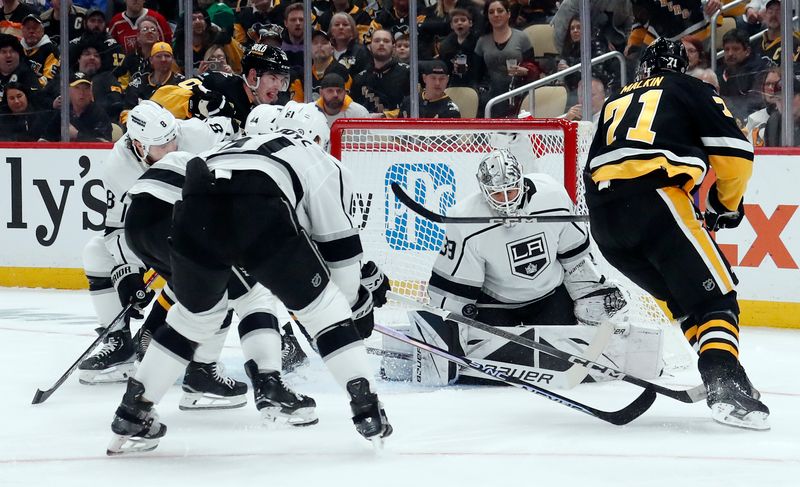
{"x":435,"y":162}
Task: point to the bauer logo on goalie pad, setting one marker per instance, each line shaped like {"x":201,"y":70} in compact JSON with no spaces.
{"x":432,"y":185}
{"x":528,"y":256}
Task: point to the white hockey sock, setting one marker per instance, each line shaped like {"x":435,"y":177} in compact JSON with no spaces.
{"x":209,"y":350}
{"x":106,"y":305}
{"x":158,"y":371}
{"x":264,"y":347}
{"x":350,"y":363}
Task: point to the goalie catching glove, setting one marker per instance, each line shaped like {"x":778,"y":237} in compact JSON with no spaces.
{"x":596,"y":299}
{"x":128,"y":280}
{"x":717,"y":216}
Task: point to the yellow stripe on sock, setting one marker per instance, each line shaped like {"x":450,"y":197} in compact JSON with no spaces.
{"x":718,"y":323}
{"x":720,"y":346}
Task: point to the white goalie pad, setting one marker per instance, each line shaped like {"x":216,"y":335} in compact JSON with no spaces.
{"x":636,"y":349}
{"x":429,"y":369}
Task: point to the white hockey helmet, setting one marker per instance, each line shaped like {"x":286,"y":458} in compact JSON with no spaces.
{"x":151,"y":125}
{"x":261,"y":119}
{"x":500,"y":179}
{"x":307,"y":120}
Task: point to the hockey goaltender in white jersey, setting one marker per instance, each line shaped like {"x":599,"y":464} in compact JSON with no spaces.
{"x":538,"y":279}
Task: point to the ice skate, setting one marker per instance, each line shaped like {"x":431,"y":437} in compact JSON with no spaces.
{"x":292,"y":356}
{"x":278,"y":403}
{"x":112,"y":363}
{"x":204,"y":387}
{"x":368,"y":414}
{"x":733,"y":400}
{"x":135,"y":426}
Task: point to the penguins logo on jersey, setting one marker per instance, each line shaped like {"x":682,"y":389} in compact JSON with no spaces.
{"x":528,"y":256}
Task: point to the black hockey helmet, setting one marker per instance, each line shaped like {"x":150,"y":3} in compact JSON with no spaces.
{"x":265,"y":59}
{"x":663,"y":55}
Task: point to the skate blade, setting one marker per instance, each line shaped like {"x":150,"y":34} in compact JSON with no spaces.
{"x":194,"y":401}
{"x":378,"y":443}
{"x":125,"y":445}
{"x":726,"y":414}
{"x":300,"y":417}
{"x":112,"y":375}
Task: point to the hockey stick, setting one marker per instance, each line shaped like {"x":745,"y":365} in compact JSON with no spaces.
{"x":623,"y":416}
{"x":695,"y":394}
{"x":41,"y":396}
{"x":436,"y":217}
{"x":389,"y":354}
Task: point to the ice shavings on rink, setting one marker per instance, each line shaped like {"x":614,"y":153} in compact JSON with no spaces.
{"x":447,"y":437}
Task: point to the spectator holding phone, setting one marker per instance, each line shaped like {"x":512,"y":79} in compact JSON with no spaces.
{"x":215,"y":59}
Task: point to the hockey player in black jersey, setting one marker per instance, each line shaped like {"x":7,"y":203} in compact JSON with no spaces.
{"x":265,"y":77}
{"x":656,"y":140}
{"x":253,"y":204}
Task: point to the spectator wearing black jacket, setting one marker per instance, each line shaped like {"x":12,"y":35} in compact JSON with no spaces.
{"x":20,"y":119}
{"x":346,"y":48}
{"x":457,"y":50}
{"x":87,"y":121}
{"x":433,"y":101}
{"x":382,"y":87}
{"x":12,"y":70}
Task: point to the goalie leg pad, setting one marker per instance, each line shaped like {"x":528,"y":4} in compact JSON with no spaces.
{"x":635,"y":349}
{"x":429,"y":369}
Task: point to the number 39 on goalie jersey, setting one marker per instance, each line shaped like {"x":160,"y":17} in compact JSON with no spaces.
{"x":645,"y":138}
{"x":494,"y":265}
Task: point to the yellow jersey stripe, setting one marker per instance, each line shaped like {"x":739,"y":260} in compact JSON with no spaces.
{"x":683,"y":210}
{"x":732,"y":176}
{"x":634,"y":168}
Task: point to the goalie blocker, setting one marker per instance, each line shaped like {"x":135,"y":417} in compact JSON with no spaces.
{"x":636,"y":349}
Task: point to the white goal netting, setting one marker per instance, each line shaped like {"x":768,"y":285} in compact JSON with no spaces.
{"x":435,"y":162}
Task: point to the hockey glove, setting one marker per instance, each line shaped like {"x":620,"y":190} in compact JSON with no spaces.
{"x":205,"y":103}
{"x":376,"y":283}
{"x":599,"y":305}
{"x":128,"y":280}
{"x":717,"y":216}
{"x":363,"y":313}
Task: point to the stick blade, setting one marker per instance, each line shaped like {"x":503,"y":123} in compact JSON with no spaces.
{"x":40,"y":396}
{"x":632,"y":410}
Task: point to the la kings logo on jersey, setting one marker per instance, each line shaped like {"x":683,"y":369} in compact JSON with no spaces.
{"x":528,"y":256}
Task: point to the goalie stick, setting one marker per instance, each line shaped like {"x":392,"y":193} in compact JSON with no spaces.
{"x":41,"y":396}
{"x":624,"y":416}
{"x":436,"y":217}
{"x":695,"y":394}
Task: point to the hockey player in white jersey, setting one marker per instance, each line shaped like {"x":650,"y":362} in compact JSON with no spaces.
{"x":115,"y":273}
{"x":257,"y":202}
{"x":538,"y":278}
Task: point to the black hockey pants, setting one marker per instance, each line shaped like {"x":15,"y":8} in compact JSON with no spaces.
{"x":243,"y":221}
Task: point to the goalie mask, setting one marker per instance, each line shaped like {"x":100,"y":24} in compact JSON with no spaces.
{"x":307,"y":120}
{"x":261,"y":119}
{"x":662,"y":55}
{"x":500,"y":179}
{"x":151,"y":125}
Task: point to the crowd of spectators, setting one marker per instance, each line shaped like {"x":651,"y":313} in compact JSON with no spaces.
{"x":121,"y":51}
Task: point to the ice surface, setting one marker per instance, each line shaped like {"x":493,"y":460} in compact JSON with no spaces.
{"x":448,"y":437}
